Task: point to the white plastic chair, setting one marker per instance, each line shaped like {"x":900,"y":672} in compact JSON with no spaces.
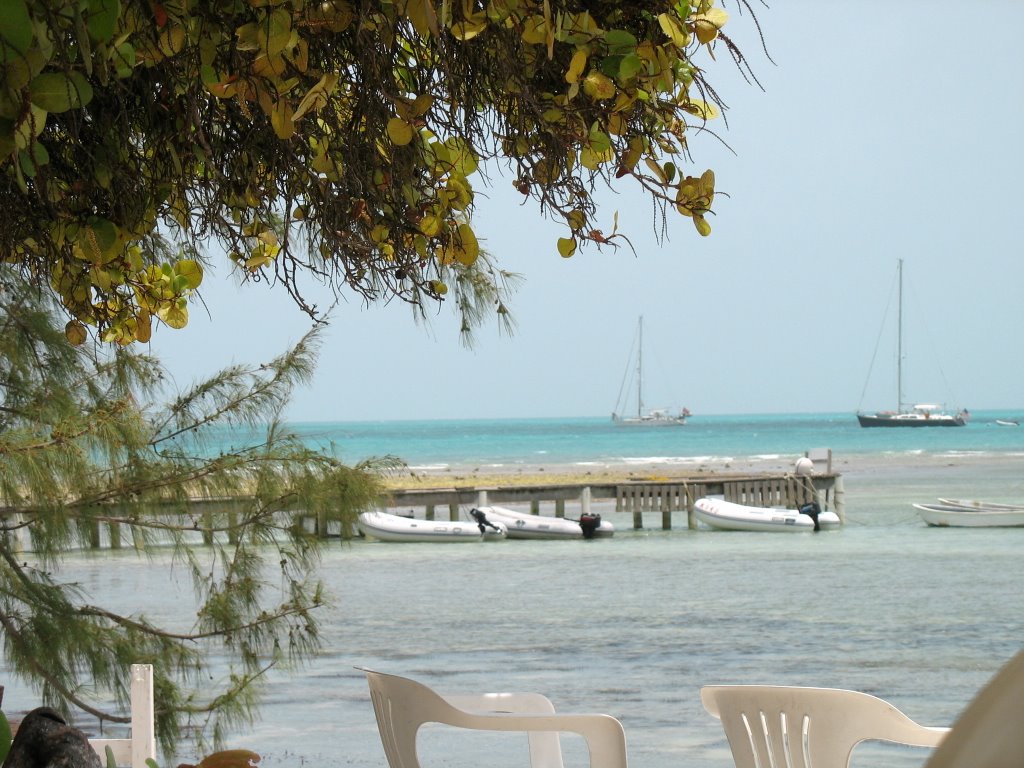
{"x":989,"y":733}
{"x":770,"y":726}
{"x":141,"y":746}
{"x":402,"y":706}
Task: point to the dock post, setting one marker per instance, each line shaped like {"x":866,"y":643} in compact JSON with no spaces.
{"x":481,"y":498}
{"x":691,"y":516}
{"x":560,"y":508}
{"x":666,"y":508}
{"x":585,"y":501}
{"x":429,"y":513}
{"x":453,"y":512}
{"x":839,"y":493}
{"x":534,"y":506}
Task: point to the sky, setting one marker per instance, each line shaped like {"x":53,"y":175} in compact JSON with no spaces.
{"x":883,"y":131}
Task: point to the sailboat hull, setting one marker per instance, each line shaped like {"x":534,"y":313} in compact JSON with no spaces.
{"x":911,"y":420}
{"x":654,"y":419}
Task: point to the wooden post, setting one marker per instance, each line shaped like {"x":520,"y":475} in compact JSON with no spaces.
{"x":560,"y":508}
{"x":534,"y":506}
{"x":114,"y":530}
{"x":453,"y":512}
{"x":839,"y":494}
{"x":429,"y":514}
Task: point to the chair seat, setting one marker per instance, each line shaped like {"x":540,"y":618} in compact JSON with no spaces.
{"x":798,"y":727}
{"x":403,"y":706}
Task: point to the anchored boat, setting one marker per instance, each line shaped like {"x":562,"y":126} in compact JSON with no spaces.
{"x":729,"y":516}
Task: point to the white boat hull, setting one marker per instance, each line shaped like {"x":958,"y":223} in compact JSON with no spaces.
{"x":950,"y":516}
{"x":523,"y":525}
{"x":387,"y":527}
{"x":728,"y":516}
{"x":985,"y":505}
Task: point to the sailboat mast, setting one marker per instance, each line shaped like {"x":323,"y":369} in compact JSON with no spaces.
{"x":640,"y":371}
{"x":899,"y":338}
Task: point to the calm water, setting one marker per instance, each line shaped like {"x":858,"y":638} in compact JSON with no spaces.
{"x":634,"y":625}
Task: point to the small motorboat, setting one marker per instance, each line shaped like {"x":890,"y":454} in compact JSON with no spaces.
{"x":971,"y":515}
{"x":729,"y":516}
{"x":1007,"y":422}
{"x":387,"y":527}
{"x":982,"y":505}
{"x":523,"y":525}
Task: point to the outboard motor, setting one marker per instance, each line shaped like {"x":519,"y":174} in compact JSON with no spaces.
{"x":589,"y":523}
{"x":812,"y":510}
{"x":482,"y":521}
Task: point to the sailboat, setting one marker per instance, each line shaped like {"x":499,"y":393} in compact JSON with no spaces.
{"x":654,"y":417}
{"x":921,"y":415}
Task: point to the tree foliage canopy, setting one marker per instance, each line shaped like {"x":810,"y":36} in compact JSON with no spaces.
{"x":84,"y":445}
{"x":334,"y":138}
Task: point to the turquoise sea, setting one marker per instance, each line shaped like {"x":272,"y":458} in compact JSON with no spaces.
{"x":514,"y":443}
{"x":636,"y":624}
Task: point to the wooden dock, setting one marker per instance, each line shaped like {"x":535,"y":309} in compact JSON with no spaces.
{"x":639,"y":497}
{"x":668,"y":499}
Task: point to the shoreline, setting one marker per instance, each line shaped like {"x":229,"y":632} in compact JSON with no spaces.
{"x":851,"y":466}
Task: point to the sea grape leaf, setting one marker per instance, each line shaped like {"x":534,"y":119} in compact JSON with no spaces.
{"x":102,"y":19}
{"x":60,"y":91}
{"x":16,"y":29}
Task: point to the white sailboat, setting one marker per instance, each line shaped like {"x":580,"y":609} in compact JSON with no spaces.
{"x":644,"y":417}
{"x":921,"y":415}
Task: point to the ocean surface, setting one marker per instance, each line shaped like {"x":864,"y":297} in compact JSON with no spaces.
{"x":636,"y":624}
{"x":509,"y":444}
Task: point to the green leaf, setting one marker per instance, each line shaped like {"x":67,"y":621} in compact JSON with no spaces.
{"x":102,"y":19}
{"x":15,"y":29}
{"x":630,"y":65}
{"x":191,"y":270}
{"x":566,"y":246}
{"x":620,"y":41}
{"x":5,"y":737}
{"x":60,"y":91}
{"x":279,"y":30}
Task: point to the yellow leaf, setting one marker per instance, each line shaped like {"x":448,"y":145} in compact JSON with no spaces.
{"x":317,"y":95}
{"x":672,"y":30}
{"x":702,"y":225}
{"x":464,"y":248}
{"x":144,"y":327}
{"x":703,"y":109}
{"x":598,"y":86}
{"x":281,"y":119}
{"x":576,"y":218}
{"x":706,"y":25}
{"x":535,"y":30}
{"x":566,"y":246}
{"x":421,"y":104}
{"x":430,"y":225}
{"x":576,"y":66}
{"x":399,"y":131}
{"x":191,"y":270}
{"x":173,"y":315}
{"x":75,"y":333}
{"x":470,"y":28}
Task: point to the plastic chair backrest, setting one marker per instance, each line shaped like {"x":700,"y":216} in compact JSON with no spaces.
{"x":402,"y":706}
{"x":141,"y":746}
{"x":990,"y":731}
{"x":771,"y":726}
